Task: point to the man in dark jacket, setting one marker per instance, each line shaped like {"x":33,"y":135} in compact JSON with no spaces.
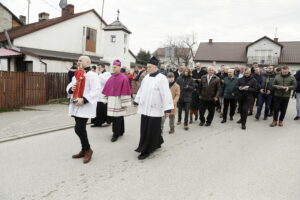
{"x":265,"y":86}
{"x":283,"y":85}
{"x":209,"y":90}
{"x":246,"y":87}
{"x":297,"y":91}
{"x":186,"y":85}
{"x":229,"y":94}
{"x":198,"y":73}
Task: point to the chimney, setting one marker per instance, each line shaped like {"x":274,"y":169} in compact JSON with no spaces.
{"x":68,"y":10}
{"x":43,"y":16}
{"x":210,"y":41}
{"x":22,"y":18}
{"x":276,"y":39}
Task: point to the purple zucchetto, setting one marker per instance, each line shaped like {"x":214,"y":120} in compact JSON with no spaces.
{"x":117,"y":63}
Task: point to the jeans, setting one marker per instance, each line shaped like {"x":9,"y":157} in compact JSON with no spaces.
{"x":171,"y":122}
{"x":280,"y":105}
{"x":298,"y":104}
{"x":264,"y":99}
{"x":183,"y":106}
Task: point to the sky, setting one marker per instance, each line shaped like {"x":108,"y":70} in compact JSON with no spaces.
{"x":153,"y":21}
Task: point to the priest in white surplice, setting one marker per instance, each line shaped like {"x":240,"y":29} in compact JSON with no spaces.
{"x":154,"y":100}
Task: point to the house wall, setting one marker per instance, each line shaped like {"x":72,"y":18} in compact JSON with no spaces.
{"x":3,"y":64}
{"x":67,"y":36}
{"x":219,"y":64}
{"x":5,"y":19}
{"x":264,"y":44}
{"x":113,"y":51}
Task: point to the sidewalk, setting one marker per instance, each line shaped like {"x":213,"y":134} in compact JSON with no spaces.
{"x":37,"y":120}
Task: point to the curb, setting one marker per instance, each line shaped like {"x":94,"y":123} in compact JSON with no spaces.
{"x":40,"y":132}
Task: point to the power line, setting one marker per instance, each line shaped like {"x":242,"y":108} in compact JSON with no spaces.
{"x":51,"y":5}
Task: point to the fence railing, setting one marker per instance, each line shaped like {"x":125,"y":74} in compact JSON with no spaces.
{"x":30,"y":88}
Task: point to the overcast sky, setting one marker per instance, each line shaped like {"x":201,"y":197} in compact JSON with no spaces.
{"x":151,"y":21}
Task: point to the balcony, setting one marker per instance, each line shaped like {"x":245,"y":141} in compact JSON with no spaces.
{"x":263,"y":60}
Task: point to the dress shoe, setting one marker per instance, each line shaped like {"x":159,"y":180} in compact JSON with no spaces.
{"x":250,"y":114}
{"x":186,"y":128}
{"x":207,"y":124}
{"x":231,"y":118}
{"x":171,"y":131}
{"x":280,"y":123}
{"x":274,"y":123}
{"x":239,"y":122}
{"x":113,"y":139}
{"x":143,"y":156}
{"x":256,"y":117}
{"x":201,"y":124}
{"x":223,"y":121}
{"x":265,"y":117}
{"x":297,"y":118}
{"x":87,"y":156}
{"x":243,"y":126}
{"x":79,"y":155}
{"x":94,"y":125}
{"x":196,"y":118}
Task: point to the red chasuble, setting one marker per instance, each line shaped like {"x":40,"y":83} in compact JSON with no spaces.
{"x":80,"y":83}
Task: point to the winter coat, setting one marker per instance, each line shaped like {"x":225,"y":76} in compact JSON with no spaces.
{"x":246,"y":81}
{"x":207,"y":92}
{"x":266,"y":82}
{"x":286,"y":81}
{"x":229,"y":87}
{"x":175,"y":91}
{"x":297,"y":77}
{"x":185,"y":93}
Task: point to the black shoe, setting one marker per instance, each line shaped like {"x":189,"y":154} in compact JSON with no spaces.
{"x":143,"y":156}
{"x":271,"y":114}
{"x":265,"y":117}
{"x":231,"y":119}
{"x":257,"y":117}
{"x":239,"y":122}
{"x":223,"y":121}
{"x":196,"y":118}
{"x":201,"y":124}
{"x":207,"y":124}
{"x":94,"y":125}
{"x":250,"y":114}
{"x":113,"y":139}
{"x":297,"y":118}
{"x":243,"y":126}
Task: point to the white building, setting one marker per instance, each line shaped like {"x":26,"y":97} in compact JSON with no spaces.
{"x":263,"y":51}
{"x":51,"y":45}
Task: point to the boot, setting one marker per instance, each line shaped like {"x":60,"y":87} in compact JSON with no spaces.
{"x":79,"y":155}
{"x":244,"y":126}
{"x":171,"y":131}
{"x":87,"y":156}
{"x":274,"y":123}
{"x":280,"y":123}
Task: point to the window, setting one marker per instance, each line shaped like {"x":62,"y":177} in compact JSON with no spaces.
{"x":91,"y":38}
{"x":113,"y":38}
{"x":125,"y":38}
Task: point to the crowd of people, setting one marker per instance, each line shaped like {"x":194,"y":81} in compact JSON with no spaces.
{"x":161,"y":93}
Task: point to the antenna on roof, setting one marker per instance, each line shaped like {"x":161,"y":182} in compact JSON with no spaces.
{"x":28,"y":11}
{"x":63,"y":3}
{"x":102,"y":9}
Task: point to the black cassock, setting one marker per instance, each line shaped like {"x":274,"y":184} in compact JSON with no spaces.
{"x":151,"y":137}
{"x":101,"y":115}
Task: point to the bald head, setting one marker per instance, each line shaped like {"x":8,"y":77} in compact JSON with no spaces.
{"x":84,"y":61}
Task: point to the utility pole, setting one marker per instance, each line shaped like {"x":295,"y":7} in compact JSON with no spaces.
{"x":102,"y":8}
{"x":28,"y":11}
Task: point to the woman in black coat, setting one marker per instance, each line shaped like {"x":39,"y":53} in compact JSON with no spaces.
{"x":186,"y":83}
{"x":246,"y":87}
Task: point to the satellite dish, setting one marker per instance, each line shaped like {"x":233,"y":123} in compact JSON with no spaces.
{"x":63,"y":3}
